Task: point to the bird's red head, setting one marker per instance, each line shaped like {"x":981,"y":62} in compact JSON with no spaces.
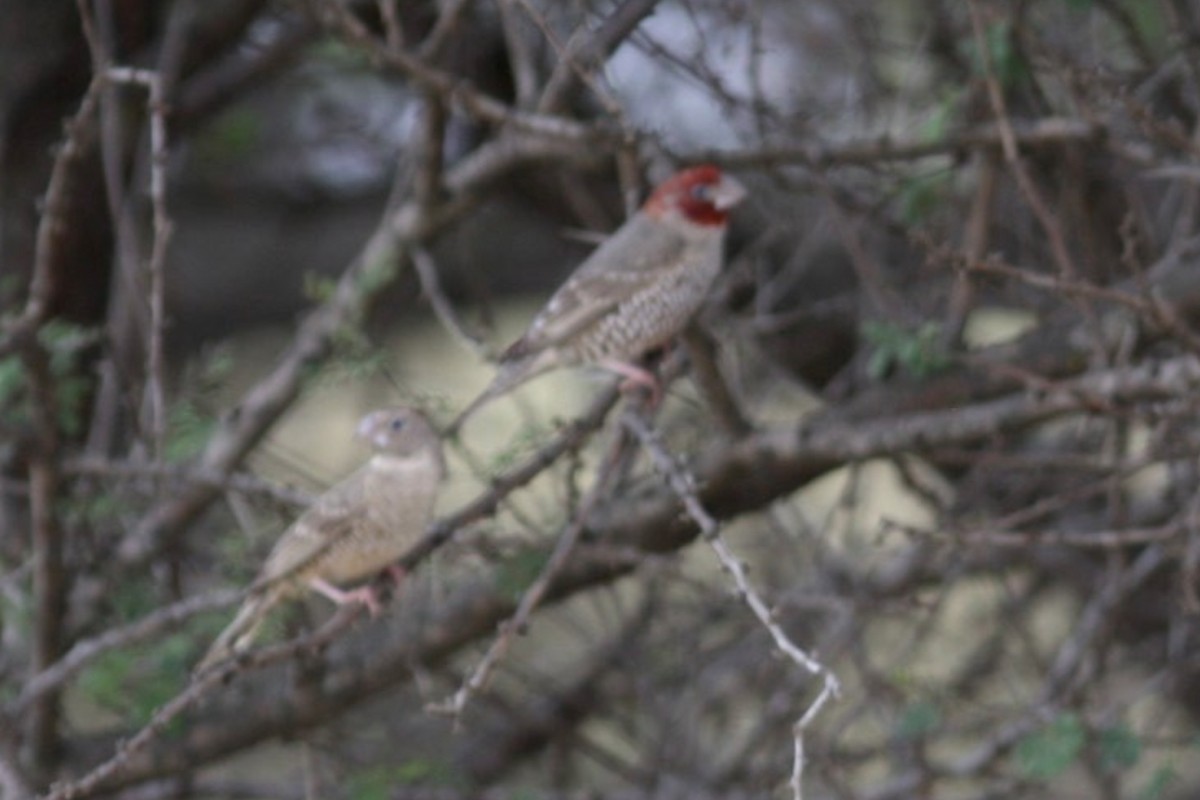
{"x":702,"y":195}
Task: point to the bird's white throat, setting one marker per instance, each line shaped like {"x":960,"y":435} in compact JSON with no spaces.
{"x":416,"y":463}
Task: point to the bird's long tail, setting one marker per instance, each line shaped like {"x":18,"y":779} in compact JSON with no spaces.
{"x":510,"y":376}
{"x":239,"y":634}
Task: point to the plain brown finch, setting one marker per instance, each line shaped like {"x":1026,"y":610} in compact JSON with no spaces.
{"x":355,"y":529}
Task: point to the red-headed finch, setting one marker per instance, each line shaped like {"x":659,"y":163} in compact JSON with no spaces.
{"x":635,"y":292}
{"x":352,"y":531}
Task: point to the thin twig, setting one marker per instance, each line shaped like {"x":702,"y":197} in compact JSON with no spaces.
{"x":443,"y":309}
{"x":454,"y":89}
{"x":683,"y":484}
{"x":85,"y":651}
{"x":533,"y":596}
{"x":242,"y":482}
{"x":200,"y":686}
{"x":162,"y":231}
{"x":1050,"y":224}
{"x":520,"y":54}
{"x":54,"y":223}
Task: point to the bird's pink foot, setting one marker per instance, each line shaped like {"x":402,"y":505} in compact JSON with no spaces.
{"x":367,"y":595}
{"x":635,"y":377}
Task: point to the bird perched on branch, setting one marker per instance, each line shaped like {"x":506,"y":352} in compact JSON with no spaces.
{"x":354,"y":530}
{"x":635,"y":292}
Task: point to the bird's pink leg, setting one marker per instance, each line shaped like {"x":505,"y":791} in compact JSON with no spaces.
{"x":363,"y":594}
{"x":635,"y":376}
{"x":397,"y":573}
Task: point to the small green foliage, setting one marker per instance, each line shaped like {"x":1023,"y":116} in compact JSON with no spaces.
{"x":188,"y":430}
{"x":1156,"y":788}
{"x":1120,"y":747}
{"x":318,"y":288}
{"x":379,"y":782}
{"x":62,"y":342}
{"x":1006,"y":59}
{"x":93,"y":509}
{"x":1152,"y":25}
{"x":9,"y":285}
{"x":104,"y":680}
{"x":922,"y":195}
{"x":936,"y":125}
{"x":918,"y":720}
{"x":524,"y":794}
{"x":135,"y":682}
{"x":1047,"y":753}
{"x":919,"y":352}
{"x":132,"y":599}
{"x":240,"y":557}
{"x":215,"y":368}
{"x":527,"y":440}
{"x":355,"y":359}
{"x":12,"y":383}
{"x":517,"y":573}
{"x":381,"y":270}
{"x":338,"y":54}
{"x":234,"y":135}
{"x":189,"y":425}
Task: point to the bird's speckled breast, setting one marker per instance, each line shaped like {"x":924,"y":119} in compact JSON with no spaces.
{"x":656,"y":313}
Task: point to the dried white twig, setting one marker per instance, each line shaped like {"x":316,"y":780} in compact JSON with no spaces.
{"x":683,"y":484}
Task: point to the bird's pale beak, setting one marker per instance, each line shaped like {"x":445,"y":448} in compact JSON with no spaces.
{"x":728,"y":193}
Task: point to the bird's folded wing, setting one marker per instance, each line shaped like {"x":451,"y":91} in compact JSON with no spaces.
{"x":333,"y":516}
{"x":631,"y":260}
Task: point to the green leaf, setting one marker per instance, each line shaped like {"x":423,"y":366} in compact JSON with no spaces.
{"x":517,"y":573}
{"x":12,"y":379}
{"x":1007,"y":62}
{"x":380,"y":270}
{"x":917,"y":720}
{"x":317,"y":287}
{"x":935,"y":126}
{"x":1152,"y":25}
{"x":136,"y":682}
{"x":1049,"y":752}
{"x":1156,"y":788}
{"x":921,"y":195}
{"x":234,"y":135}
{"x":187,"y":432}
{"x":104,"y":680}
{"x":92,"y":509}
{"x":919,"y":352}
{"x":379,"y":782}
{"x":1120,"y":747}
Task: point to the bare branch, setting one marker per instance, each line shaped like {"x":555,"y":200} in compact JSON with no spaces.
{"x":683,"y":484}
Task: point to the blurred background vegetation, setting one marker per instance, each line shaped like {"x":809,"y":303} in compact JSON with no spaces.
{"x":942,"y":399}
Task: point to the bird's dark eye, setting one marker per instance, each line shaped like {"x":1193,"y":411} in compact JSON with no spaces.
{"x":397,"y":423}
{"x":701,"y":191}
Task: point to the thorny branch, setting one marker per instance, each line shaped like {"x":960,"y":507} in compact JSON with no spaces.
{"x":536,"y":593}
{"x":683,"y":484}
